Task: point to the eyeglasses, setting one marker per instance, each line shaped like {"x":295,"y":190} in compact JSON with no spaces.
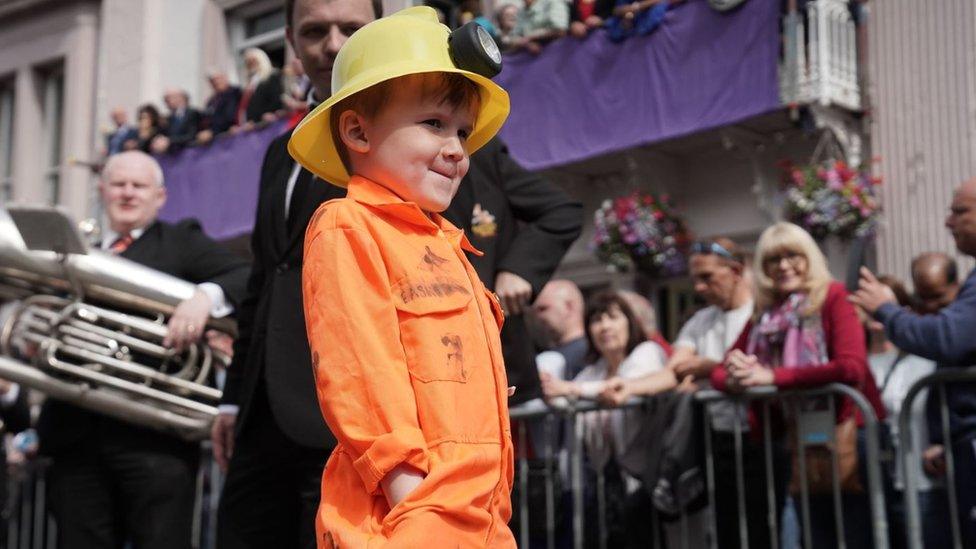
{"x":794,"y":259}
{"x":712,"y":248}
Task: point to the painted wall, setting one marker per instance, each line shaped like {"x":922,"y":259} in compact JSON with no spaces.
{"x":923,"y":92}
{"x":68,"y":36}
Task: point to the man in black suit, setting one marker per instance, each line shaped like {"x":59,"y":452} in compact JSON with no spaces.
{"x":111,"y":481}
{"x":182,"y":123}
{"x":271,"y":435}
{"x":220,"y":113}
{"x":523,"y":224}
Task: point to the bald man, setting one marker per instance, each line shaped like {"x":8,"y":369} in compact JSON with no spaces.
{"x":122,"y":132}
{"x":947,"y":338}
{"x":559,"y":311}
{"x":936,"y":280}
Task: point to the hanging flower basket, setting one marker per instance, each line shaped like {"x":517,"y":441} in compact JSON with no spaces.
{"x":831,"y":199}
{"x":643,"y":232}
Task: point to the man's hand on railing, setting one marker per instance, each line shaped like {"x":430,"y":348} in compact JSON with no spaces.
{"x":687,"y":385}
{"x":695,"y":366}
{"x":933,"y":461}
{"x":553,"y":387}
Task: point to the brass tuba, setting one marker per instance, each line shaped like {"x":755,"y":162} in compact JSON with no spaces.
{"x":87,"y":327}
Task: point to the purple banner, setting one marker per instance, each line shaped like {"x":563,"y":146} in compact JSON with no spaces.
{"x":699,"y":69}
{"x":218,"y":184}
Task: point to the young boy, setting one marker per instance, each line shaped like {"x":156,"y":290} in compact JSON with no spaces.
{"x":404,"y":336}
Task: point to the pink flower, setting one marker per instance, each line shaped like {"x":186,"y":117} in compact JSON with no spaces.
{"x":834,"y":180}
{"x":856,"y":201}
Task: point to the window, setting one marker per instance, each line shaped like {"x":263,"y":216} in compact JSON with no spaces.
{"x":259,"y":25}
{"x":51,"y":90}
{"x":6,"y":141}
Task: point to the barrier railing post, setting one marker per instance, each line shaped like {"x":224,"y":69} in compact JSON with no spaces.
{"x":550,"y":485}
{"x":947,"y":443}
{"x":909,"y":454}
{"x":801,"y":461}
{"x":835,"y":482}
{"x":740,"y":486}
{"x":576,"y":459}
{"x":710,"y":475}
{"x":771,"y":513}
{"x":523,"y":462}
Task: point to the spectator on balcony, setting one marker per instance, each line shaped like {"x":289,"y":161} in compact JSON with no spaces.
{"x":895,"y":371}
{"x":182,"y":123}
{"x":636,"y":18}
{"x":615,"y":440}
{"x":540,"y":22}
{"x":261,"y":97}
{"x":506,"y":19}
{"x":149,"y":124}
{"x":122,"y":132}
{"x":296,"y":89}
{"x":587,"y":15}
{"x":220,"y":112}
{"x":806,"y":334}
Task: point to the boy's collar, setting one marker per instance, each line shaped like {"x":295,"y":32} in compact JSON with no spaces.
{"x":367,"y":191}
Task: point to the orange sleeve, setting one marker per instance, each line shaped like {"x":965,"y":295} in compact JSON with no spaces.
{"x":361,"y":372}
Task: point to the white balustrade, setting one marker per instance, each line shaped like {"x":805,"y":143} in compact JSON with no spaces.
{"x":820,"y":56}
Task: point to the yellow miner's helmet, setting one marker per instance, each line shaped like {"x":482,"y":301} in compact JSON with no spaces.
{"x":410,"y":41}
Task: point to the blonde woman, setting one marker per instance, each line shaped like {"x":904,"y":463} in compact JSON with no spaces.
{"x":804,"y":334}
{"x":261,"y":98}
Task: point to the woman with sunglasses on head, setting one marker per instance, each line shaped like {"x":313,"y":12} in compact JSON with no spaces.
{"x":804,"y":334}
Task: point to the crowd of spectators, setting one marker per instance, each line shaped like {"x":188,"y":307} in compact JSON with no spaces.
{"x":267,"y":94}
{"x":778,"y":320}
{"x":528,"y":25}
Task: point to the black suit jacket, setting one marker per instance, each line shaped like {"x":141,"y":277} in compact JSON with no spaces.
{"x":535,"y":222}
{"x":266,"y":97}
{"x":272,"y":345}
{"x":183,"y":130}
{"x":184,"y":251}
{"x":221,"y":110}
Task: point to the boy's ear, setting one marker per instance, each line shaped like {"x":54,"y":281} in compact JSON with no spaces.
{"x":352,"y":131}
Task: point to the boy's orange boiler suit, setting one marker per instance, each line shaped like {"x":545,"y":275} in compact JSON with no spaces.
{"x":409,"y":370}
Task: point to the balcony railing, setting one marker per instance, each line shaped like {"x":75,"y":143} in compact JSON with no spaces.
{"x":820,"y":61}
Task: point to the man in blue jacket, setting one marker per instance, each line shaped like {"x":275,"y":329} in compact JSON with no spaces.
{"x":949,"y":338}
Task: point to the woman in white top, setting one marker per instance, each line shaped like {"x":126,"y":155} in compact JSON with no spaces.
{"x":618,"y":348}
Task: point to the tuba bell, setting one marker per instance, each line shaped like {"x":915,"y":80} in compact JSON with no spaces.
{"x":87,"y":327}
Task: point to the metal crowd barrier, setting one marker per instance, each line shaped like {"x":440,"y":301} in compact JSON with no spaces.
{"x":875,"y":487}
{"x":572,"y":413}
{"x":29,"y":524}
{"x":30,"y":527}
{"x":909,"y":456}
